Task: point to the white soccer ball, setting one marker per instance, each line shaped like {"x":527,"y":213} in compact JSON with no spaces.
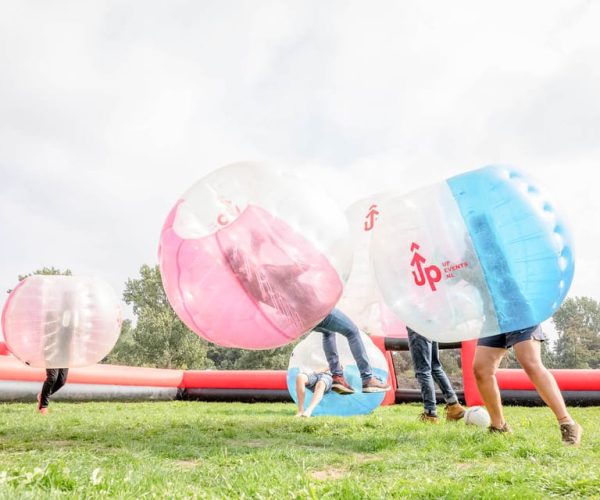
{"x":477,"y":415}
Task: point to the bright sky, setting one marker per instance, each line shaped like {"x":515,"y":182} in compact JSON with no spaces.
{"x":110,"y":110}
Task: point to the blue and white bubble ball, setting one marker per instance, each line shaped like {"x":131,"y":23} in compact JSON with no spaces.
{"x":484,"y":252}
{"x":308,"y":356}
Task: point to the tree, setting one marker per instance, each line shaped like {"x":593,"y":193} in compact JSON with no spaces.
{"x":578,"y":325}
{"x":48,"y":271}
{"x":159,"y":338}
{"x":270,"y":359}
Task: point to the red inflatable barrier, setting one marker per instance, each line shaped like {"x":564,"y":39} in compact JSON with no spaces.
{"x":390,"y":396}
{"x":235,"y":379}
{"x":13,"y":369}
{"x":567,"y":380}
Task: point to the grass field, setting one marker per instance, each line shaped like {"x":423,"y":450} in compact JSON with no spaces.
{"x":232,"y":450}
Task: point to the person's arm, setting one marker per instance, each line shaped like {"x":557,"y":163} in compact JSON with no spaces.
{"x":316,"y":399}
{"x":301,"y":381}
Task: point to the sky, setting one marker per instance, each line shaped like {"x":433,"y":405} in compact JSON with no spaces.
{"x":110,"y":110}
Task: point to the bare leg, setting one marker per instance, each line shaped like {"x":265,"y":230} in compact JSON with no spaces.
{"x":316,"y":399}
{"x":485,"y":365}
{"x":528,"y":355}
{"x":301,"y":381}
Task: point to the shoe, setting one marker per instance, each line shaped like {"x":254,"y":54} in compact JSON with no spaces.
{"x":341,"y":386}
{"x":43,"y":411}
{"x":454,"y":412}
{"x":504,"y":429}
{"x":429,"y":419}
{"x":571,"y":433}
{"x":374,"y":385}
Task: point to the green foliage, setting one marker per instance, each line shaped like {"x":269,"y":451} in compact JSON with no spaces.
{"x":234,"y":450}
{"x":578,"y":325}
{"x":48,"y":271}
{"x":270,"y":359}
{"x":159,"y":338}
{"x":241,"y":359}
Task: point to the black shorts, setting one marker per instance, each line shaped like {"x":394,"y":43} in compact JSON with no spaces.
{"x":507,"y":340}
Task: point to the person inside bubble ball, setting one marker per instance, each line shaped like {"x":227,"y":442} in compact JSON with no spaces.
{"x":278,"y":285}
{"x":337,"y":322}
{"x":319,"y":382}
{"x":59,"y":330}
{"x":425,"y":357}
{"x":526,"y":342}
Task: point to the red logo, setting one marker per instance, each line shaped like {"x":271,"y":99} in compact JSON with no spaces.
{"x":422,"y":275}
{"x":230,"y":210}
{"x":371,"y":217}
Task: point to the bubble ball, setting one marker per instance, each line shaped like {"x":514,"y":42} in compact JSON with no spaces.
{"x":483,"y":253}
{"x":252,"y":257}
{"x":308,"y":356}
{"x":61,"y":321}
{"x":362,"y":299}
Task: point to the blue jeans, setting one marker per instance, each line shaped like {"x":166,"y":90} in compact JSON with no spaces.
{"x":426,"y":361}
{"x":337,"y":322}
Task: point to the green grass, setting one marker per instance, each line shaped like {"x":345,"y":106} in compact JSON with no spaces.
{"x":233,"y":450}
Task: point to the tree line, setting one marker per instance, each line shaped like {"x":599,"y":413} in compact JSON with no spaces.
{"x":158,"y":338}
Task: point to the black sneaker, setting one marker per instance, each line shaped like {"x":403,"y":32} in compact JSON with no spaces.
{"x":341,"y":386}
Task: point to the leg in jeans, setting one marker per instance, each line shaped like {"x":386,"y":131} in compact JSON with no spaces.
{"x":338,"y":322}
{"x":420,"y":352}
{"x":51,"y":378}
{"x":440,"y":377}
{"x":330,"y":349}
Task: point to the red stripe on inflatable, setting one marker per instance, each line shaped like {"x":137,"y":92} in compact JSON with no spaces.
{"x":235,"y":379}
{"x":12,"y":369}
{"x":3,"y":349}
{"x":467,"y":355}
{"x":390,"y":396}
{"x":567,"y":380}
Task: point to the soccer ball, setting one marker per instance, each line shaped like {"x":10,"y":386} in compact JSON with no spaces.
{"x":477,"y":415}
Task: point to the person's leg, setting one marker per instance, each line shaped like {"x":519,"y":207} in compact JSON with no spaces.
{"x":61,"y":379}
{"x":420,"y":352}
{"x":316,"y":399}
{"x":331,"y":352}
{"x":342,"y":324}
{"x":340,"y":384}
{"x":440,"y":377}
{"x":301,"y":381}
{"x":486,"y":362}
{"x":454,"y":410}
{"x":51,"y":377}
{"x":528,"y":355}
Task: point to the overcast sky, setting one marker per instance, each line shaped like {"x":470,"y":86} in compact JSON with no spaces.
{"x":109,"y":111}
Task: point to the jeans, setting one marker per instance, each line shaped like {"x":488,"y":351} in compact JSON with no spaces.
{"x":426,"y":361}
{"x":55,"y":379}
{"x":338,"y":322}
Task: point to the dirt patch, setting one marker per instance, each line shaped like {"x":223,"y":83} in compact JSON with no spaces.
{"x":61,"y":442}
{"x":250,"y":443}
{"x":188,"y":464}
{"x":363,"y":458}
{"x":324,"y":475}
